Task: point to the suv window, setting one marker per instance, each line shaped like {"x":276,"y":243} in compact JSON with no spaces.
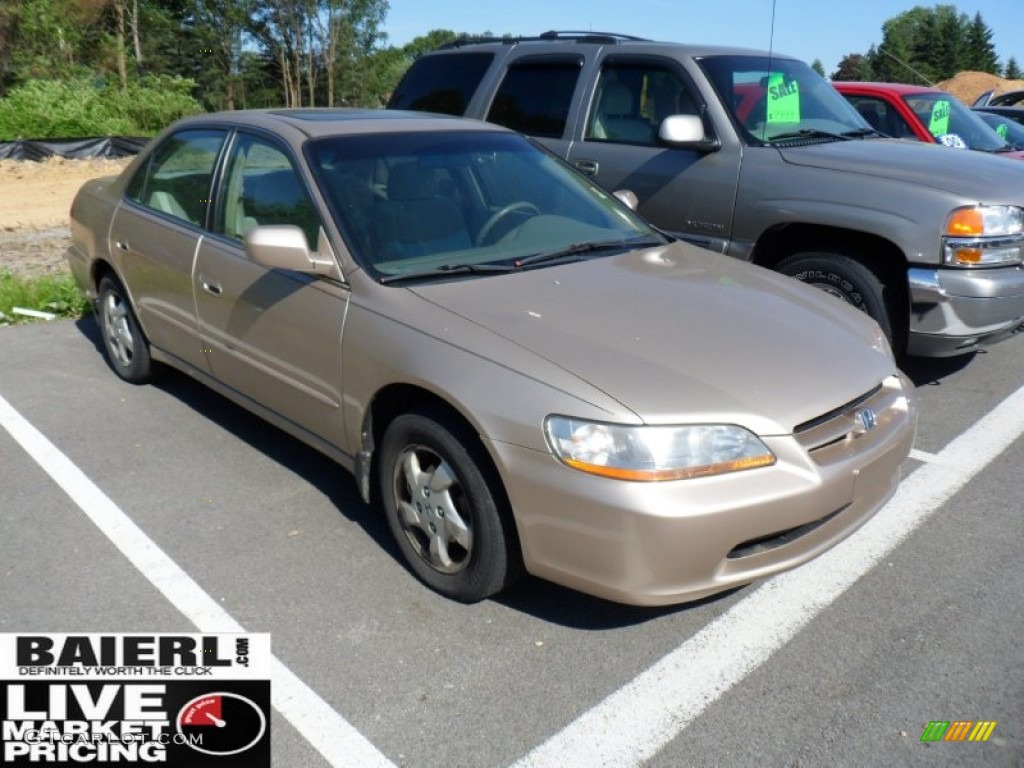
{"x":264,"y":188}
{"x":442,"y":83}
{"x":633,"y":99}
{"x":176,"y":178}
{"x":535,"y":97}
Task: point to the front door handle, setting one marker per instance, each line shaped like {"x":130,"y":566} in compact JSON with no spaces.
{"x":588,"y":167}
{"x":212,"y":288}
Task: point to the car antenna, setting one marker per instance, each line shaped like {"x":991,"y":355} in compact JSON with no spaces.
{"x":771,"y":54}
{"x":902,"y":63}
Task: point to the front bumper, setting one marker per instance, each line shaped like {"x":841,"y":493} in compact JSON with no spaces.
{"x":672,"y":542}
{"x":954,"y":311}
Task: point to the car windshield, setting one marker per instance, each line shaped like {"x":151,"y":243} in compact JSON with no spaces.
{"x":953,"y":124}
{"x":445,"y":203}
{"x":781,"y":100}
{"x":1009,"y":130}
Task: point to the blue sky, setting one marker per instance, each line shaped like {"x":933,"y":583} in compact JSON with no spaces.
{"x":808,"y":29}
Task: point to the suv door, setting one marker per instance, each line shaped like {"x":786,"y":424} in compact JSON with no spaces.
{"x":687,"y":191}
{"x":272,"y":335}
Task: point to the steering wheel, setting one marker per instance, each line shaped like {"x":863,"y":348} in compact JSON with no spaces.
{"x":519,"y":205}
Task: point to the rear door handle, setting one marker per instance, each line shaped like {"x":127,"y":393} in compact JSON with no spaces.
{"x":122,"y":246}
{"x":211,"y":288}
{"x":588,"y":167}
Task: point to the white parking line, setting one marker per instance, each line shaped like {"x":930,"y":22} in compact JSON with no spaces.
{"x":923,"y":456}
{"x":639,"y":719}
{"x":331,"y":735}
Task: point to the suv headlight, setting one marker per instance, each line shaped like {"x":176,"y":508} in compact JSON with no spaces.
{"x":654,"y":453}
{"x":984,"y":236}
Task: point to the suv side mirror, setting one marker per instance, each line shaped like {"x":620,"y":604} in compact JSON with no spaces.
{"x":284,"y":246}
{"x":686,"y":131}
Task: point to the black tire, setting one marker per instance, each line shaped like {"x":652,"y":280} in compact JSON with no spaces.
{"x":845,"y":278}
{"x":126,"y":346}
{"x":446,"y":509}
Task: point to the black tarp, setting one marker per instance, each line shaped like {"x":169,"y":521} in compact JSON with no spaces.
{"x":40,"y":149}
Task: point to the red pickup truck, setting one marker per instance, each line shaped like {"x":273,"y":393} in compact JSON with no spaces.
{"x":923,"y":114}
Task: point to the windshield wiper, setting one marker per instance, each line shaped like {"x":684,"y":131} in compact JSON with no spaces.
{"x":810,"y":133}
{"x":448,"y":269}
{"x":863,"y":133}
{"x":577,"y":249}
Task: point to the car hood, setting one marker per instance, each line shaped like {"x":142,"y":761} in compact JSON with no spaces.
{"x":977,"y":175}
{"x":676,"y":333}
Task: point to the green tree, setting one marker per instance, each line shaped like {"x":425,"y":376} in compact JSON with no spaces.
{"x":980,"y":53}
{"x":930,"y":44}
{"x":817,"y":66}
{"x":849,"y":67}
{"x":1012,"y":71}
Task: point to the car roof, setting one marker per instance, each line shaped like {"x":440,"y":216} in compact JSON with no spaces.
{"x":899,"y":88}
{"x":315,"y":122}
{"x":567,"y":40}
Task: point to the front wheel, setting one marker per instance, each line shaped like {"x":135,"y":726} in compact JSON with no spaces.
{"x":127,"y":349}
{"x":443,"y":507}
{"x":845,"y":278}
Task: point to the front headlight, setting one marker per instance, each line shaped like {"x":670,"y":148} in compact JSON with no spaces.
{"x":654,"y":453}
{"x":984,"y":236}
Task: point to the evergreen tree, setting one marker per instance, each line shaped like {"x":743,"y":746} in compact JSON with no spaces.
{"x":1012,"y":71}
{"x":817,"y":66}
{"x":849,"y":67}
{"x":980,"y":53}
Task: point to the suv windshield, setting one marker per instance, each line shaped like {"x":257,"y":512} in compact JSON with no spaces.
{"x":465,"y":202}
{"x":953,"y":124}
{"x":772,"y":100}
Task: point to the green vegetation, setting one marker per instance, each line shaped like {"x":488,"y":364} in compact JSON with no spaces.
{"x":924,"y":45}
{"x":57,"y":294}
{"x":79,"y":68}
{"x":76,"y":108}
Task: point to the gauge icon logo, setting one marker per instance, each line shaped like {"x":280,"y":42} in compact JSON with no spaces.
{"x":228,"y":723}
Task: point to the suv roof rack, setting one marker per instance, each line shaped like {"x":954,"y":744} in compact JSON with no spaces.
{"x":578,"y":36}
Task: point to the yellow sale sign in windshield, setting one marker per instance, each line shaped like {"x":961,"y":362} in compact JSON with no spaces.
{"x":783,"y":99}
{"x":939,"y":124}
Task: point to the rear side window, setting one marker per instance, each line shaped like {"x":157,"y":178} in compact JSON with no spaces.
{"x":442,"y":83}
{"x":535,"y":97}
{"x":176,"y":178}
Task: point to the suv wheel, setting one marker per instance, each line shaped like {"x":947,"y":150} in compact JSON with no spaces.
{"x":846,"y":279}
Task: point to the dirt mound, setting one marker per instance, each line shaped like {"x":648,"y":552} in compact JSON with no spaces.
{"x":968,"y":86}
{"x":34,"y":202}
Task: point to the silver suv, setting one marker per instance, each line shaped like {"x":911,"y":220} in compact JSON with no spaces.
{"x":754,"y":155}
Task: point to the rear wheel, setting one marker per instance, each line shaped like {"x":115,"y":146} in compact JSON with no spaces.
{"x":444,"y":508}
{"x":845,"y":278}
{"x":127,"y":349}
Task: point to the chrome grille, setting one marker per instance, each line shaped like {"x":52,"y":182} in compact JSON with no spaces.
{"x":874,"y":410}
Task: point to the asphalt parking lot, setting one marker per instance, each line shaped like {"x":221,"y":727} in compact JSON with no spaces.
{"x":916,"y":618}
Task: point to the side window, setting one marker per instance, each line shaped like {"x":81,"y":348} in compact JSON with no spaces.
{"x":263,"y":187}
{"x":535,"y":97}
{"x":633,"y":99}
{"x":443,"y":83}
{"x":882,"y":116}
{"x":176,"y":178}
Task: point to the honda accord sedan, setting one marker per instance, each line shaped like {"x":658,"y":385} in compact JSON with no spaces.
{"x":521,"y":374}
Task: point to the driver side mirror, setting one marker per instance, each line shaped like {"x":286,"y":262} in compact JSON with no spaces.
{"x":627,"y":197}
{"x":686,"y":131}
{"x":284,"y":246}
